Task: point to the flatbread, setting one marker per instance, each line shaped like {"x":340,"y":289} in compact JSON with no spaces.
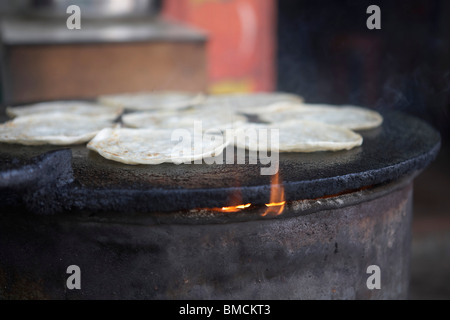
{"x":248,"y":103}
{"x":299,"y":136}
{"x":150,"y":146}
{"x":208,"y":119}
{"x":53,"y":128}
{"x":73,"y":107}
{"x":350,"y":117}
{"x":145,"y":101}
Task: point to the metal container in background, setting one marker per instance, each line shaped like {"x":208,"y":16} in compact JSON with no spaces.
{"x":98,"y":9}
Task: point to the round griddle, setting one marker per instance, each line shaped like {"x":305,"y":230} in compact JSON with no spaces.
{"x":49,"y":178}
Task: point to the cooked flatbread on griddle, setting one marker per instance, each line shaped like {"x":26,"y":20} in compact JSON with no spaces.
{"x":350,"y":117}
{"x":150,"y":146}
{"x":248,"y":103}
{"x":298,"y":136}
{"x":209,"y":119}
{"x":73,"y":107}
{"x":52,"y":128}
{"x":146,"y":101}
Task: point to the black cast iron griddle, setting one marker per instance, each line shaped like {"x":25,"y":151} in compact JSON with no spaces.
{"x":51,"y":179}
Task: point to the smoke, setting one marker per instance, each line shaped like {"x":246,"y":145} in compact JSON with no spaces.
{"x":424,"y":92}
{"x":392,"y":95}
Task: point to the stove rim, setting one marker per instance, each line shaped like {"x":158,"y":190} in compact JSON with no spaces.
{"x":206,"y":216}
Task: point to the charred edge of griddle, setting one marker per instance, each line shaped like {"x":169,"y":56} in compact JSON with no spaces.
{"x":205,"y":216}
{"x":293,"y":208}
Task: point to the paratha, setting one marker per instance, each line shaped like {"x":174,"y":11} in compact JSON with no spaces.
{"x":209,"y":119}
{"x":156,"y":146}
{"x":52,"y":128}
{"x":298,"y":136}
{"x":248,"y":103}
{"x":85,"y":108}
{"x":350,"y":117}
{"x":145,"y":101}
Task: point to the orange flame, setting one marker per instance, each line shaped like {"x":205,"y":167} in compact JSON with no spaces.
{"x":274,"y":208}
{"x":277,"y":201}
{"x":233,"y":208}
{"x":235,"y":201}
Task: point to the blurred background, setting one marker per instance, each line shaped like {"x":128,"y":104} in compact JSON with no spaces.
{"x":321,"y":50}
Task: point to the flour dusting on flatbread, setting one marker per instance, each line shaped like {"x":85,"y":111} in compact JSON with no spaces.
{"x":248,"y":103}
{"x":209,"y":119}
{"x":53,"y":128}
{"x":153,"y":146}
{"x":146,"y":101}
{"x":299,"y":136}
{"x":350,"y":117}
{"x":82,"y":108}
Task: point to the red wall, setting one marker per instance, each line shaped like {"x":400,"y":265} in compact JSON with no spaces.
{"x":241,"y":47}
